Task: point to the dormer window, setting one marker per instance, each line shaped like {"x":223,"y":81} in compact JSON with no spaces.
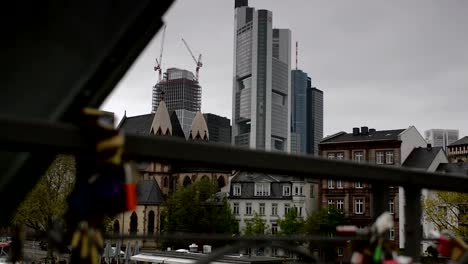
{"x":262,"y":189}
{"x":236,"y":189}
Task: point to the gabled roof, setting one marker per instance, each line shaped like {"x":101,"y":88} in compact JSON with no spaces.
{"x":161,"y":124}
{"x":421,"y":158}
{"x":382,"y":135}
{"x":149,"y":193}
{"x":243,"y":176}
{"x":459,"y":168}
{"x":461,"y":141}
{"x":199,"y":129}
{"x":137,"y":124}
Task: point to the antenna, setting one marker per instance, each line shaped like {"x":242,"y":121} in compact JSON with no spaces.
{"x":296,"y":53}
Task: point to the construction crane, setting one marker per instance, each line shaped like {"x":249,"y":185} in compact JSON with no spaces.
{"x":197,"y":62}
{"x":158,"y":65}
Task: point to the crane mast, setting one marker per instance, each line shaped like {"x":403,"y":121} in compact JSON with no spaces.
{"x":198,"y":62}
{"x":158,"y":66}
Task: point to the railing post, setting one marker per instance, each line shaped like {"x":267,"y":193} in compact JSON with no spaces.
{"x":380,"y":199}
{"x":413,"y":228}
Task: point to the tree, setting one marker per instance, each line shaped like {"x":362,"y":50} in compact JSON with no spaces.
{"x":448,"y":210}
{"x":291,"y":224}
{"x":46,"y":203}
{"x":197,"y":209}
{"x":324,"y":222}
{"x":256,"y":226}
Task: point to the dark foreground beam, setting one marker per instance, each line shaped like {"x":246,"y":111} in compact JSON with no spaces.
{"x":39,"y":136}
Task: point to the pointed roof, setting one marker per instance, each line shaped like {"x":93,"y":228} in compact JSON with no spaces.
{"x":137,"y":124}
{"x":199,"y":129}
{"x":149,"y":193}
{"x":461,"y":141}
{"x":422,"y":158}
{"x":162,"y":121}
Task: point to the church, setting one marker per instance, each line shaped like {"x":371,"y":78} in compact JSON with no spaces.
{"x":158,"y":180}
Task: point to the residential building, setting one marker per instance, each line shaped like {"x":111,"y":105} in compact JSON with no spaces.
{"x":441,"y":137}
{"x":314,"y":128}
{"x":271,"y":197}
{"x":182,"y":94}
{"x":219,"y":128}
{"x":426,"y":159}
{"x":458,"y":150}
{"x":385,"y":148}
{"x":159,"y":180}
{"x":261,"y":82}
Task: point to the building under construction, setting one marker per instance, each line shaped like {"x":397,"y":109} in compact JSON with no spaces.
{"x":182,"y":94}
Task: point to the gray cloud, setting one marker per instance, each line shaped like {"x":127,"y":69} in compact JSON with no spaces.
{"x":385,"y":64}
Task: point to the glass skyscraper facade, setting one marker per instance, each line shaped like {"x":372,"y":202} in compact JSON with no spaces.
{"x":261,"y":83}
{"x":299,"y":110}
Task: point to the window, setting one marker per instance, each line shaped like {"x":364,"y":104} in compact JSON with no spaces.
{"x":392,"y":234}
{"x":331,"y":155}
{"x":339,"y":184}
{"x":359,"y":156}
{"x":296,"y":190}
{"x":300,"y":211}
{"x":261,"y":209}
{"x":286,"y":190}
{"x":262,"y":189}
{"x":359,"y":206}
{"x":389,"y":157}
{"x":331,"y":184}
{"x":379,"y":157}
{"x":248,"y":209}
{"x":358,"y":185}
{"x":286,"y":209}
{"x":274,"y":228}
{"x":340,"y":204}
{"x":301,"y":190}
{"x":391,"y":206}
{"x":274,"y":209}
{"x":235,"y":209}
{"x":339,"y":251}
{"x":340,"y":156}
{"x":331,"y":203}
{"x":236,"y":189}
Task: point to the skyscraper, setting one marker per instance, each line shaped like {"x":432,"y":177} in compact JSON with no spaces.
{"x":182,"y":94}
{"x":441,"y":137}
{"x":314,"y":127}
{"x":219,"y":128}
{"x":306,"y":114}
{"x":299,"y":111}
{"x":261,"y":83}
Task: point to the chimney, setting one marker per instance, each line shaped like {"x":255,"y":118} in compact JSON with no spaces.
{"x":429,"y":147}
{"x":355,"y":131}
{"x":372,"y":130}
{"x":364,"y":130}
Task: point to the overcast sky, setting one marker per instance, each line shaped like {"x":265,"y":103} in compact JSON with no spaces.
{"x":382,"y":64}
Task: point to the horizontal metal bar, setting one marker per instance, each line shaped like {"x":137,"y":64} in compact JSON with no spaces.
{"x":27,"y":135}
{"x":224,"y":237}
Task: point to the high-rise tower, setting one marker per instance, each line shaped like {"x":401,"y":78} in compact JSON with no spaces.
{"x":182,"y":94}
{"x":261,"y":83}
